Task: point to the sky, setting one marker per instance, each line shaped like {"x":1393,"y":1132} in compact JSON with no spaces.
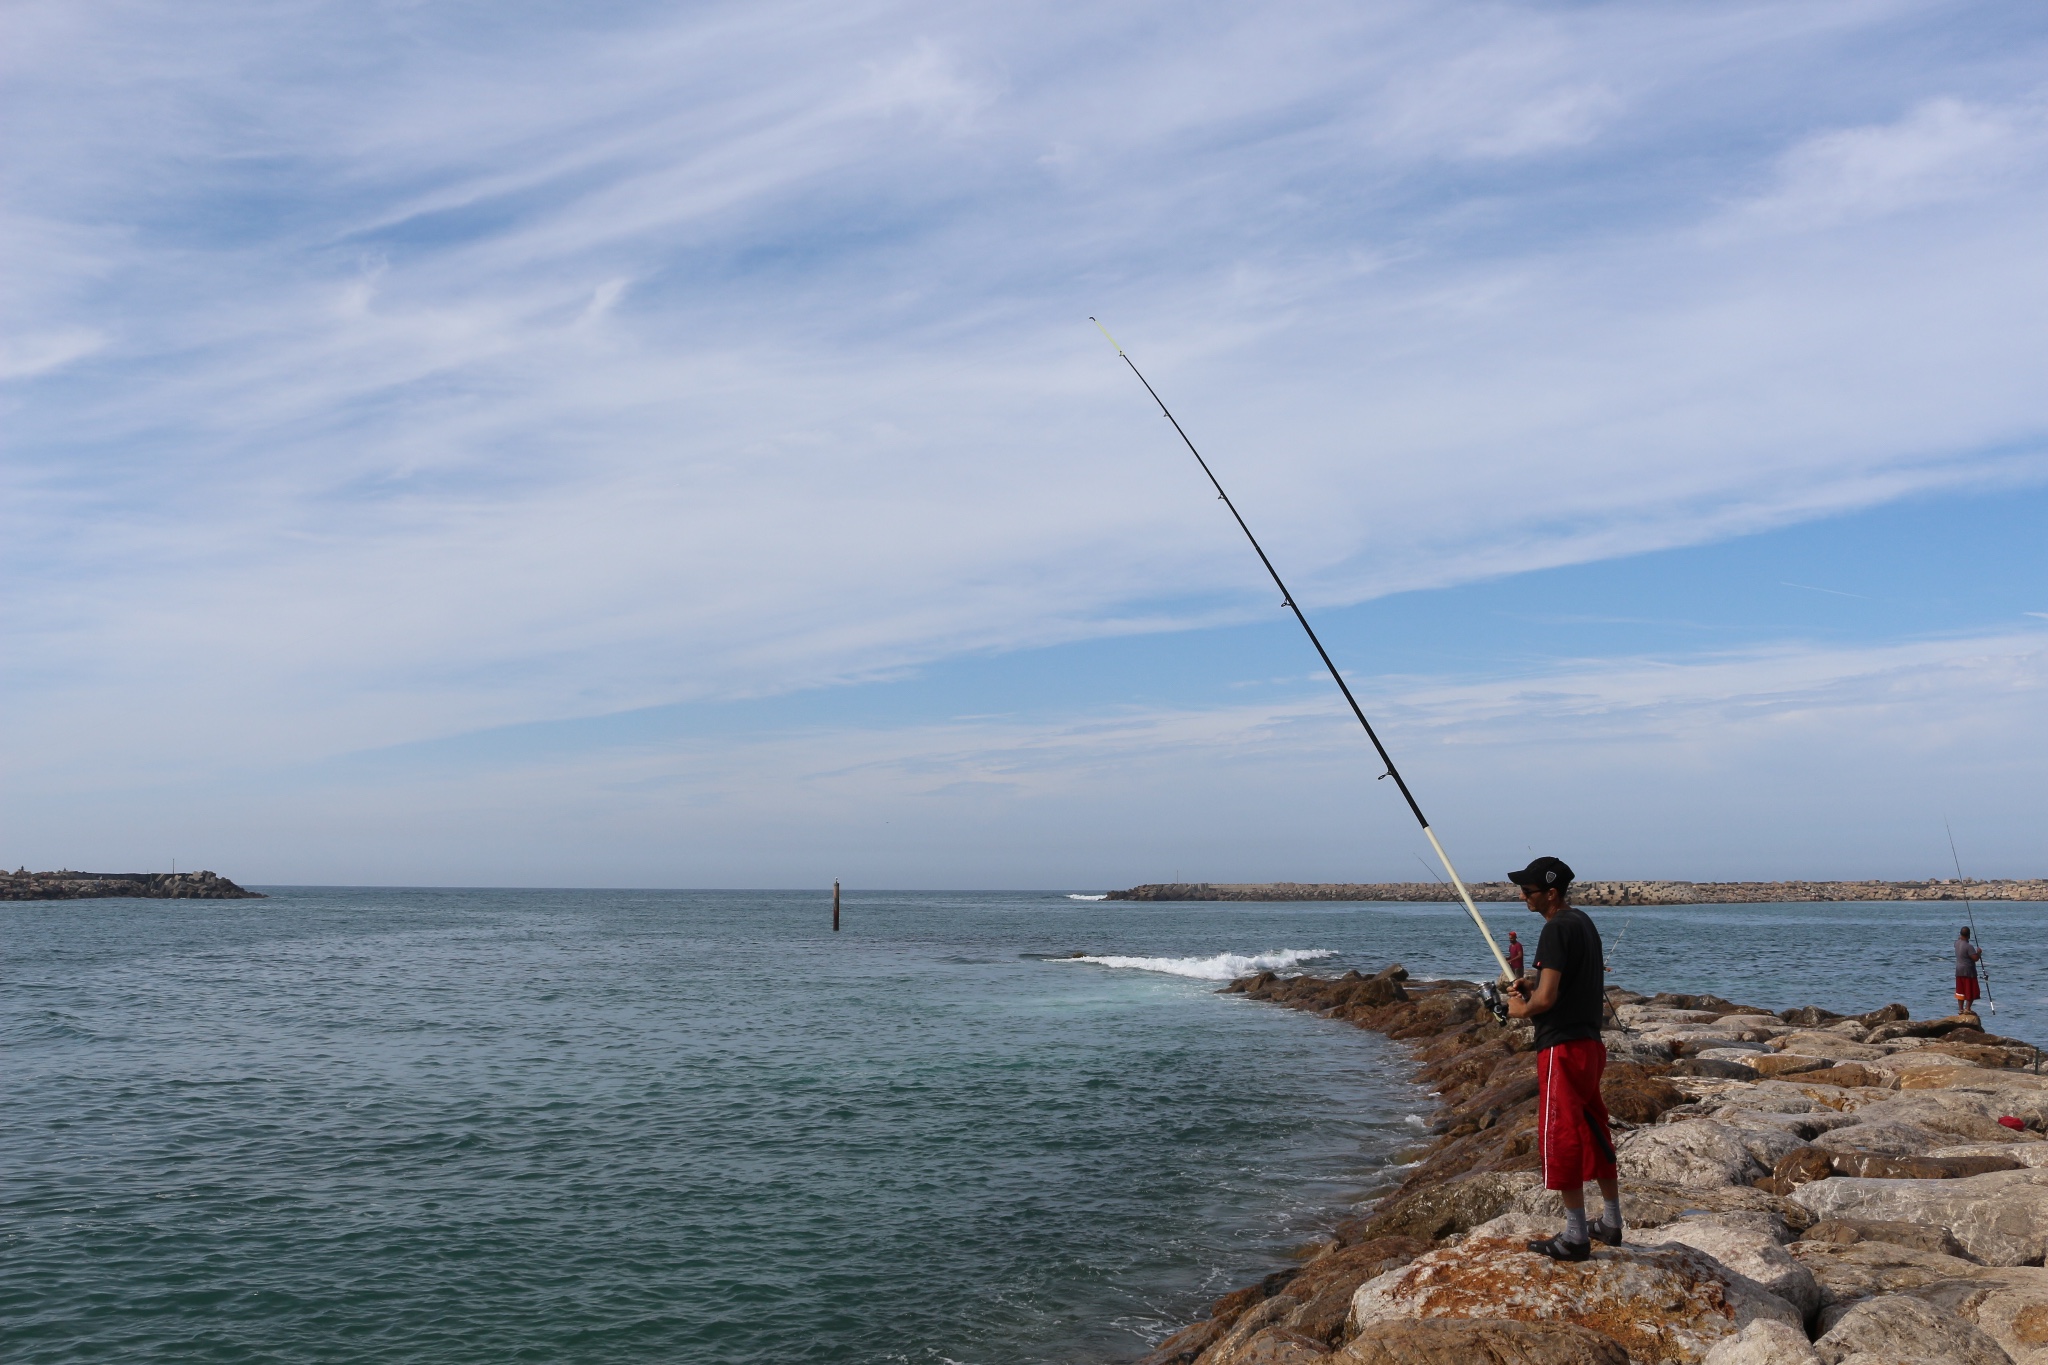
{"x":651,"y":445}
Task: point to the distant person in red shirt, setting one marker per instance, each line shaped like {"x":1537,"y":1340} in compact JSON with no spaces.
{"x":1968,"y":955}
{"x":1514,"y":955}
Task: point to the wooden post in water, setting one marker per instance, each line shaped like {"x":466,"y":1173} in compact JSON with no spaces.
{"x":835,"y":907}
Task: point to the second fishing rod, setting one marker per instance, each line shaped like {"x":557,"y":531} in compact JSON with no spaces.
{"x":1287,"y":599}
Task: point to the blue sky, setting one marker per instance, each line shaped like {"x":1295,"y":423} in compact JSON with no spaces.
{"x":614,"y":445}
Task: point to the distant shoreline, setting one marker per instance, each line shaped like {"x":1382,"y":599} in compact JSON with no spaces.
{"x":88,"y":886}
{"x":1600,"y":893}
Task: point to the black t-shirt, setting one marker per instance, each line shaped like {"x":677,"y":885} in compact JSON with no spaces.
{"x":1571,"y":945}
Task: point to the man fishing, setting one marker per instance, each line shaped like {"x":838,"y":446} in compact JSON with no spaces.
{"x":1566,"y":998}
{"x":1968,"y":955}
{"x":1514,"y":955}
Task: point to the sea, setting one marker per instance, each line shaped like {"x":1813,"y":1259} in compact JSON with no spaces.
{"x":444,"y":1126}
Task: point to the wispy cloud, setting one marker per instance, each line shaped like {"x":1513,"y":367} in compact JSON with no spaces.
{"x":1798,"y":761}
{"x":1941,"y":151}
{"x":390,"y":373}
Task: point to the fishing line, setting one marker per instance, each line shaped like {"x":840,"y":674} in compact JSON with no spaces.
{"x":1287,"y":600}
{"x":1970,"y":908}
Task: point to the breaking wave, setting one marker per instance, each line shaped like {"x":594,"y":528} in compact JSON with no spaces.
{"x":1075,"y":896}
{"x":1221,"y":967}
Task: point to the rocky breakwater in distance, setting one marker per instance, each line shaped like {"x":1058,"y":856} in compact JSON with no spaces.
{"x":1600,"y":893}
{"x":1799,"y":1188}
{"x":23,"y":885}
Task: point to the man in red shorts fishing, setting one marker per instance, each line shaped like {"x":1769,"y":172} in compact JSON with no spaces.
{"x":1565,"y":999}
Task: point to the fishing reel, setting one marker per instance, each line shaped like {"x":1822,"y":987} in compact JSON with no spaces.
{"x":1490,"y":996}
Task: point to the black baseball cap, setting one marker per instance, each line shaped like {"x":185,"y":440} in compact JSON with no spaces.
{"x":1545,"y":873}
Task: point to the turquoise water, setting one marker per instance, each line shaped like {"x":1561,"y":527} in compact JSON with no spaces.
{"x":445,"y":1126}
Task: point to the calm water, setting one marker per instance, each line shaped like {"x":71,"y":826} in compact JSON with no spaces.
{"x":452,"y":1126}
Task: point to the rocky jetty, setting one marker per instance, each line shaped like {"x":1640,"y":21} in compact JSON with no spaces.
{"x":23,"y":885}
{"x":1599,"y":893}
{"x":1800,"y":1188}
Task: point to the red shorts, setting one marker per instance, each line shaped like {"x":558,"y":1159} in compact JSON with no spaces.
{"x":1966,"y":988}
{"x":1571,"y":1117}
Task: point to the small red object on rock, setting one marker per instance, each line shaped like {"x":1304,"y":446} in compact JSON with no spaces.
{"x":2011,"y":1122}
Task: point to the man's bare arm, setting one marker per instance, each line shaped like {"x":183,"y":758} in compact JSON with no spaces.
{"x":1524,"y":1005}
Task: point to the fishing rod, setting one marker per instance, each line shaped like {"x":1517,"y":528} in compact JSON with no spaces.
{"x":1970,"y":908}
{"x":1287,"y":599}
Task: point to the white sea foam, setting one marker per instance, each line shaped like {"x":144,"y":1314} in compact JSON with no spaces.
{"x":1221,"y":967}
{"x":1073,"y":896}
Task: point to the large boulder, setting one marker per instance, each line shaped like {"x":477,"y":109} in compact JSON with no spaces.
{"x":1703,"y":1152}
{"x":1829,"y":1046}
{"x":1645,"y":1204}
{"x":1785,"y":1064}
{"x":1800,"y":1166}
{"x":1908,"y":1062}
{"x":1518,"y":1226}
{"x":1662,"y":1303}
{"x":1897,"y":1329}
{"x":2020,"y":1093}
{"x":1763,"y":1096}
{"x":1804,"y":1124}
{"x":1636,"y":1094}
{"x":1919,"y":1167}
{"x":1689,"y":1041}
{"x":1847,"y":1272}
{"x":1991,"y":1093}
{"x":1763,"y":1342}
{"x":1635,"y":1048}
{"x":2033,"y":1154}
{"x":2000,"y":1218}
{"x":1249,"y":1324}
{"x":1437,"y":1211}
{"x":1926,"y":1028}
{"x":1325,"y":1286}
{"x":1917,"y":1236}
{"x":1967,"y":1113}
{"x":1808,"y":1016}
{"x":1646,"y":1016}
{"x":1479,"y":1341}
{"x":1883,"y":1139}
{"x":1186,"y":1345}
{"x":1713,"y":1069}
{"x":1750,"y":1244}
{"x":2008,"y":1305}
{"x":1273,"y":1346}
{"x":1850,"y":1076}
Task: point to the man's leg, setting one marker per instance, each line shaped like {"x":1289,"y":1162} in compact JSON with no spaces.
{"x":1574,"y":1200}
{"x":1608,"y":1228}
{"x":1561,"y":1137}
{"x":1588,"y":1069}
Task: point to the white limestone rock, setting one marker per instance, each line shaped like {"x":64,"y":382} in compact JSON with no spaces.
{"x":2033,"y":1154}
{"x":1749,"y":1244}
{"x":2000,"y":1217}
{"x":1662,"y":1303}
{"x":1697,"y":1152}
{"x":1763,"y":1342}
{"x":1634,"y":1047}
{"x":1897,"y":1329}
{"x":2009,"y":1305}
{"x":1851,"y":1271}
{"x":1828,"y":1046}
